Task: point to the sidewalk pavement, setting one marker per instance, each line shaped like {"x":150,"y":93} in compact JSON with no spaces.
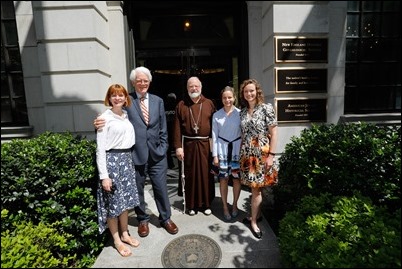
{"x":239,"y":248}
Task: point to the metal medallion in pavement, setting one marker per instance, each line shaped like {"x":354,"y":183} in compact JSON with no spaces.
{"x":192,"y":251}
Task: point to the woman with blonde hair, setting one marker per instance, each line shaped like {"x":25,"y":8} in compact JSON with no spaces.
{"x":226,"y":138}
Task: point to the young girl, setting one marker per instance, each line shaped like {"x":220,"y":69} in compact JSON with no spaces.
{"x":226,"y":138}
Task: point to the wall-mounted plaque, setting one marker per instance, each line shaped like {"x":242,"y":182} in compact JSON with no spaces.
{"x":301,"y":110}
{"x":301,"y":49}
{"x":301,"y":80}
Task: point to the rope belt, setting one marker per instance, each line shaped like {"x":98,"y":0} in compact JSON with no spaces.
{"x":195,"y":137}
{"x":230,"y":147}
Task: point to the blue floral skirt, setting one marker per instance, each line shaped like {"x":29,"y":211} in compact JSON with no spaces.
{"x":124,"y":195}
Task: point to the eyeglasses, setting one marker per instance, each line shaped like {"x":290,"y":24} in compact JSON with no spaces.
{"x":139,"y":81}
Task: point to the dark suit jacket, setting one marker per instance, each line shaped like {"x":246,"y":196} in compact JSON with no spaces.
{"x":152,"y":140}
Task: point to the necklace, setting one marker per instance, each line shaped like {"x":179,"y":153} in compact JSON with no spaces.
{"x":198,"y":119}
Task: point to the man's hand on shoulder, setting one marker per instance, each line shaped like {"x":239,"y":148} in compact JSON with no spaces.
{"x":99,"y":123}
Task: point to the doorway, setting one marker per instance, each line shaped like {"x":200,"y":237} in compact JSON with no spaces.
{"x":177,"y":40}
{"x":171,"y":70}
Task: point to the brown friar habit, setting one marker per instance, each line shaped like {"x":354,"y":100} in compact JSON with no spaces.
{"x":199,"y":182}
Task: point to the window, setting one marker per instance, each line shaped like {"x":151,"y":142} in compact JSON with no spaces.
{"x":373,"y":57}
{"x":13,"y":104}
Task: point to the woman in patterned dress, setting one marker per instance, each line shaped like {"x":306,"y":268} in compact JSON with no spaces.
{"x":117,"y":190}
{"x":259,"y":138}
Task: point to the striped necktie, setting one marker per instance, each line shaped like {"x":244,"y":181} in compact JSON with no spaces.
{"x":144,"y":110}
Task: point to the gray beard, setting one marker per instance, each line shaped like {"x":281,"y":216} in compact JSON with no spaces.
{"x":194,"y":94}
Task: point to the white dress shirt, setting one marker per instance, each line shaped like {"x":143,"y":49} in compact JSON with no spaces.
{"x":118,"y":133}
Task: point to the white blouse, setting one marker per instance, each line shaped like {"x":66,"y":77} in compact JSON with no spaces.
{"x":118,"y":133}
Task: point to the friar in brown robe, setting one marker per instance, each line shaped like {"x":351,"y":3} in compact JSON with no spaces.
{"x":192,"y":134}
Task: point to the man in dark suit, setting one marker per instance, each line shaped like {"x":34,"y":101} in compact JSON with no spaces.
{"x":149,"y":151}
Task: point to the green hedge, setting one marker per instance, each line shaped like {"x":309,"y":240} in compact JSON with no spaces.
{"x":340,"y":159}
{"x":338,"y":197}
{"x":340,"y":232}
{"x":34,"y":246}
{"x":52,"y":179}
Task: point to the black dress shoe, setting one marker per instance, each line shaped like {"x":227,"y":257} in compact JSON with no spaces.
{"x":256,"y":234}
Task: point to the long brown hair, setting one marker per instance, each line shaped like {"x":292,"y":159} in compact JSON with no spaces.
{"x":260,"y":93}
